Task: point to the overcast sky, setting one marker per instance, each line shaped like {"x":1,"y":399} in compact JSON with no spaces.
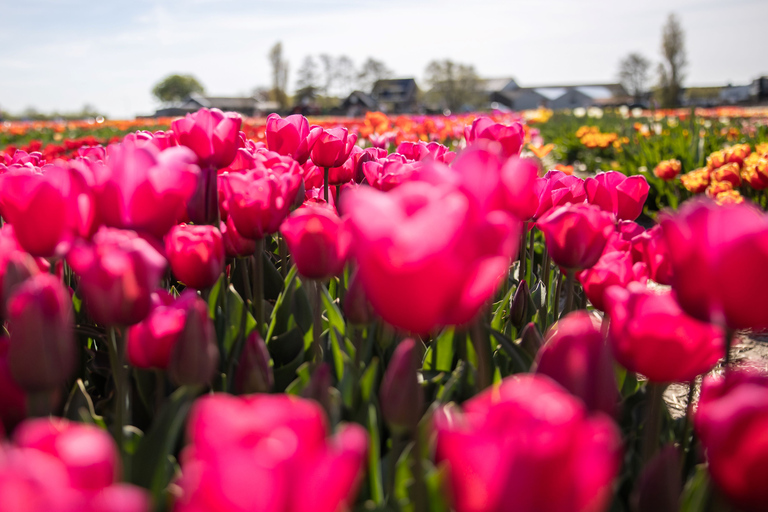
{"x":62,"y":54}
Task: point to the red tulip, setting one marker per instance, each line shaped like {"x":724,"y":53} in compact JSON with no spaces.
{"x":195,"y":355}
{"x":718,"y":255}
{"x":558,"y":189}
{"x":651,"y":335}
{"x":318,"y":241}
{"x":333,"y":147}
{"x":516,"y":442}
{"x":42,"y":353}
{"x":13,"y":399}
{"x":196,"y":255}
{"x":650,"y":247}
{"x":613,"y":268}
{"x":211,"y":134}
{"x":118,"y":271}
{"x":731,"y":421}
{"x":265,"y":453}
{"x":235,"y":246}
{"x":509,"y":137}
{"x":401,"y":395}
{"x":292,"y":136}
{"x":575,"y":356}
{"x":616,"y":193}
{"x":576,"y":235}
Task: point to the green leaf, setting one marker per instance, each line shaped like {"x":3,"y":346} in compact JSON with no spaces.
{"x":335,"y":318}
{"x":521,"y":360}
{"x":281,"y":313}
{"x":696,"y":493}
{"x":368,"y":380}
{"x":213,"y":297}
{"x":374,"y":457}
{"x":501,"y":314}
{"x":439,"y":355}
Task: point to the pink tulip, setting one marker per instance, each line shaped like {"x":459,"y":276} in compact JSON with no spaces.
{"x":318,"y":241}
{"x":42,"y":353}
{"x":401,"y":395}
{"x":211,"y":134}
{"x":651,"y":335}
{"x":576,"y":235}
{"x":621,"y":239}
{"x":292,"y":136}
{"x":425,"y":256}
{"x":33,"y":481}
{"x":151,"y":341}
{"x":15,"y":265}
{"x":421,"y":150}
{"x":235,"y":245}
{"x":385,"y":175}
{"x":616,"y":193}
{"x":265,"y":453}
{"x":509,"y":137}
{"x":613,"y":268}
{"x":718,"y":255}
{"x":332,"y":147}
{"x":118,"y":271}
{"x":517,"y":442}
{"x":196,"y":255}
{"x":576,"y":356}
{"x":650,"y":247}
{"x":558,"y":189}
{"x":13,"y":399}
{"x":731,"y":421}
{"x":347,"y":171}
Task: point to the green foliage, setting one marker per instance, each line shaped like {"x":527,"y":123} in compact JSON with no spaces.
{"x":176,"y":88}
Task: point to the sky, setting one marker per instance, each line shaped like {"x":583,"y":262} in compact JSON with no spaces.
{"x":62,"y":54}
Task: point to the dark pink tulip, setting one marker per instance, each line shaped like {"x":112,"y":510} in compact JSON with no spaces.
{"x":196,"y":254}
{"x":195,"y":355}
{"x":333,"y":147}
{"x":254,"y":373}
{"x":211,"y":134}
{"x":576,"y":356}
{"x":120,"y":498}
{"x":513,"y":444}
{"x":318,"y":241}
{"x":42,"y":353}
{"x":421,"y":150}
{"x":93,"y":153}
{"x":118,"y":271}
{"x":367,"y":155}
{"x":616,"y":193}
{"x":292,"y":136}
{"x":87,"y":451}
{"x":13,"y":399}
{"x":650,"y":247}
{"x":265,"y":453}
{"x":347,"y":171}
{"x":15,"y":265}
{"x":425,"y":256}
{"x":613,"y":268}
{"x":731,"y":421}
{"x":621,"y":239}
{"x":151,"y":341}
{"x":718,"y":254}
{"x":509,"y":137}
{"x":401,"y":395}
{"x":385,"y":175}
{"x":557,"y":189}
{"x":651,"y":335}
{"x":144,"y":189}
{"x":33,"y":481}
{"x":235,"y":246}
{"x":576,"y":234}
{"x":658,"y":488}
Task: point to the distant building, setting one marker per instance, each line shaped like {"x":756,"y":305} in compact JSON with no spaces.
{"x":396,"y":96}
{"x":248,"y":106}
{"x":563,"y":96}
{"x":357,"y":104}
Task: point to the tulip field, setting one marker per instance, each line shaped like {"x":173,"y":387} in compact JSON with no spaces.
{"x":473,"y":313}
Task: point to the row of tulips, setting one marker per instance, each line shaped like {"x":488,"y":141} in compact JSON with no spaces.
{"x":306,"y":324}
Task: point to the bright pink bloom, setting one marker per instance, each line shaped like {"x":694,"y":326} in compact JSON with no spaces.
{"x":268,"y":452}
{"x":576,"y":235}
{"x":509,"y":137}
{"x":348,"y":170}
{"x":421,"y":150}
{"x":718,"y":256}
{"x":613,"y":268}
{"x":211,"y":134}
{"x":650,"y":247}
{"x":651,"y":335}
{"x":13,"y":399}
{"x":333,"y":147}
{"x":557,"y":189}
{"x":426,"y":257}
{"x":731,"y":421}
{"x":42,"y":353}
{"x":318,"y":241}
{"x":196,"y":254}
{"x":401,"y":396}
{"x":616,"y":193}
{"x":33,"y":481}
{"x":235,"y":246}
{"x":292,"y":136}
{"x":516,"y":443}
{"x":151,"y":341}
{"x":387,"y":174}
{"x":118,"y":271}
{"x":576,"y":356}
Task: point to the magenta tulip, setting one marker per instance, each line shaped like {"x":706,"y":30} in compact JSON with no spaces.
{"x":650,"y":247}
{"x":613,"y":268}
{"x":235,"y":245}
{"x":616,"y":193}
{"x":151,"y":341}
{"x":196,"y":255}
{"x":292,"y":136}
{"x":651,"y":335}
{"x":318,"y":240}
{"x":333,"y":147}
{"x":509,"y":137}
{"x":513,"y":444}
{"x":576,"y":235}
{"x":416,"y":151}
{"x":557,"y":189}
{"x":387,"y":174}
{"x":401,"y":395}
{"x":211,"y":134}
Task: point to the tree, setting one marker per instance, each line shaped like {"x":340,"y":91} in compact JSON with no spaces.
{"x":176,"y":88}
{"x":329,"y":72}
{"x":308,"y":79}
{"x":345,"y":75}
{"x":671,"y":68}
{"x":633,"y":74}
{"x":371,"y":72}
{"x":454,"y":85}
{"x":279,"y":75}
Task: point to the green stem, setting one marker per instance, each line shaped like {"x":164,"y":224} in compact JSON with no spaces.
{"x":317,"y":323}
{"x":283,"y":250}
{"x":397,"y":449}
{"x":483,"y":351}
{"x":652,"y":425}
{"x":523,"y":253}
{"x":730,"y":335}
{"x":569,"y":285}
{"x":325,"y":183}
{"x":420,"y":487}
{"x":546,"y":271}
{"x":531,"y":256}
{"x":39,"y":404}
{"x":558,"y":291}
{"x":685,"y":441}
{"x":118,"y":376}
{"x":258,"y":286}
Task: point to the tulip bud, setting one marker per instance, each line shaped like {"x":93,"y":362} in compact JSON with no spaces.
{"x":42,"y":353}
{"x":317,"y":389}
{"x":356,"y":307}
{"x":13,"y":399}
{"x":195,"y":355}
{"x":518,"y":311}
{"x":19,"y":267}
{"x":254,"y":374}
{"x":196,"y":254}
{"x":658,"y":488}
{"x":530,"y":338}
{"x":401,"y":396}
